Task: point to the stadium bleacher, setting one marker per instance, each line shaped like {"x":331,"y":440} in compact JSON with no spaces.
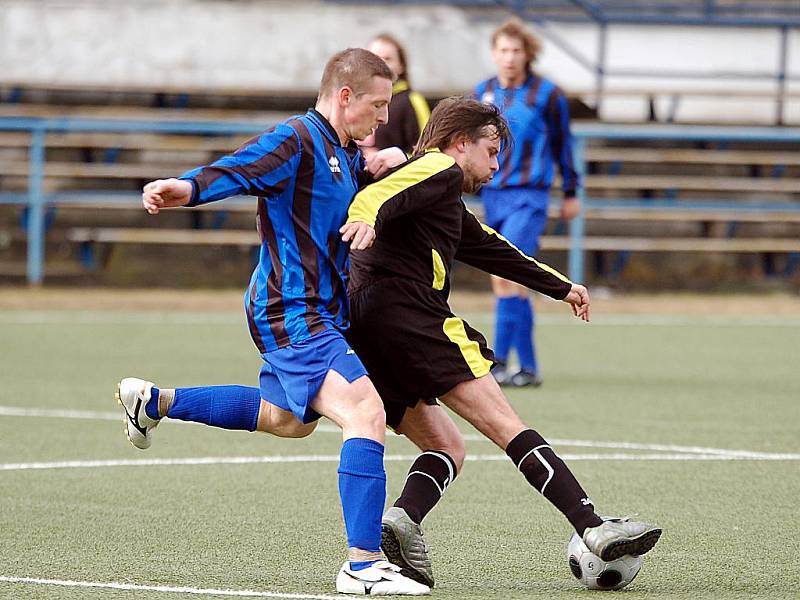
{"x":631,"y":184}
{"x":650,"y":194}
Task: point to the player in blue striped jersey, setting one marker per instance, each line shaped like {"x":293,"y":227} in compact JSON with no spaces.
{"x":304,"y":173}
{"x":516,"y":200}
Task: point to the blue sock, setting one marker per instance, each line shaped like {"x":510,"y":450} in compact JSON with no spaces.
{"x":523,"y":335}
{"x":504,"y":327}
{"x":151,"y":408}
{"x":362,"y":488}
{"x":360,"y":565}
{"x":225,"y":406}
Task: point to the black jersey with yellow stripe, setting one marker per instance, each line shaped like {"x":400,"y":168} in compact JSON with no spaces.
{"x":423,"y":226}
{"x":408,"y":114}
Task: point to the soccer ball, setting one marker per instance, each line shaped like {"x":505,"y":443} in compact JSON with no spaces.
{"x":596,"y":574}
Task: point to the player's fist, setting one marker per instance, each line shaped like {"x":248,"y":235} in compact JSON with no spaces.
{"x":165,"y":193}
{"x":570,"y":208}
{"x":578,"y":299}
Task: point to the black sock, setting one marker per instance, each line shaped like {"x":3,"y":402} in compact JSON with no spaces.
{"x":545,"y":471}
{"x":427,"y":480}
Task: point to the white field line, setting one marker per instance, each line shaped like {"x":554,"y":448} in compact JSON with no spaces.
{"x":166,"y":588}
{"x":111,"y":317}
{"x":94,"y":415}
{"x":334,"y":458}
{"x":13,"y":411}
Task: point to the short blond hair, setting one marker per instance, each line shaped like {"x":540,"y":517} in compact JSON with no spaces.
{"x":353,"y":68}
{"x":515,"y":28}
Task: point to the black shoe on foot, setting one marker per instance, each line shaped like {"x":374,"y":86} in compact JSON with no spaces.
{"x":525,"y":378}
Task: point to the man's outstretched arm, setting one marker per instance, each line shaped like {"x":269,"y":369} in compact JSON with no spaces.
{"x":263,"y":166}
{"x":482,"y":247}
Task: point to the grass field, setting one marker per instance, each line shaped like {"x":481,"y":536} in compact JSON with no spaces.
{"x":691,"y":421}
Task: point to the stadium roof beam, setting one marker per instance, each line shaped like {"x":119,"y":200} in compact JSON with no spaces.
{"x":781,"y":15}
{"x":646,"y":12}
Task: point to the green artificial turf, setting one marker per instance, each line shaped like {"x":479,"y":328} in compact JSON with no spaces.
{"x":730,"y":526}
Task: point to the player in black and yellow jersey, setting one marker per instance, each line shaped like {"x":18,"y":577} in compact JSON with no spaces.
{"x":416,"y":350}
{"x":408,"y":111}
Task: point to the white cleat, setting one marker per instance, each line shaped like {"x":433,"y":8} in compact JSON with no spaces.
{"x":381,"y":579}
{"x":133,"y":394}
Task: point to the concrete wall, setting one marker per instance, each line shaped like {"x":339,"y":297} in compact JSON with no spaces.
{"x":282,"y":45}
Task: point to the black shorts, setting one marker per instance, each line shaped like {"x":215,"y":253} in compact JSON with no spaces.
{"x":412,"y":345}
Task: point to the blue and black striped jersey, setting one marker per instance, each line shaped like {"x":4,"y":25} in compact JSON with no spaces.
{"x":538,"y":116}
{"x":304,"y":180}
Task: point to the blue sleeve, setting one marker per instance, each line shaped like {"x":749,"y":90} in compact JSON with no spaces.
{"x":477,"y":93}
{"x":561,"y":140}
{"x":263,"y":166}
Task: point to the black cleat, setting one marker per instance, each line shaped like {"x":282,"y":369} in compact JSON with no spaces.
{"x":404,"y":545}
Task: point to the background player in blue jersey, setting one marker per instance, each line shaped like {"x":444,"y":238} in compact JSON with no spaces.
{"x":516,"y":199}
{"x":304,"y":172}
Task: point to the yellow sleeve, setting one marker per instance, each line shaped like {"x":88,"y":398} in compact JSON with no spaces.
{"x":401,"y":190}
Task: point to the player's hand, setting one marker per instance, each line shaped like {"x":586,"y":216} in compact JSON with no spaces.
{"x":578,"y":299}
{"x":165,"y":193}
{"x":359,"y":234}
{"x":380,"y":162}
{"x":367,"y":143}
{"x":570,"y":208}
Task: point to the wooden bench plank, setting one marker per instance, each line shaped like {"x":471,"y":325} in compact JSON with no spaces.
{"x":267,"y":118}
{"x":678,"y":214}
{"x":676,"y":244}
{"x":691,"y":156}
{"x":693,"y":183}
{"x":727,"y":214}
{"x":130,"y":235}
{"x":136,"y":205}
{"x":65,"y":170}
{"x":224,"y":143}
{"x":145,"y":142}
{"x":76,"y":170}
{"x":690,"y":92}
{"x":246,"y":238}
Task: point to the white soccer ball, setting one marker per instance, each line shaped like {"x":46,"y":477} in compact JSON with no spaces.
{"x":596,"y":574}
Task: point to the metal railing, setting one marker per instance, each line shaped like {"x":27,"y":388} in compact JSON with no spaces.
{"x":676,"y":133}
{"x":37,"y":200}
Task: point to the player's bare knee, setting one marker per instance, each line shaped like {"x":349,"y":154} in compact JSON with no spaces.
{"x":373,"y":414}
{"x":366,"y":414}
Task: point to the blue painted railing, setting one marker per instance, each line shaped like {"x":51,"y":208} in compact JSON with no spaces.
{"x":676,"y":133}
{"x":36,"y":200}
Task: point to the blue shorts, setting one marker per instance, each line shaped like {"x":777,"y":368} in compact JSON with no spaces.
{"x":518,"y":214}
{"x":290,"y":377}
{"x":523,"y":229}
